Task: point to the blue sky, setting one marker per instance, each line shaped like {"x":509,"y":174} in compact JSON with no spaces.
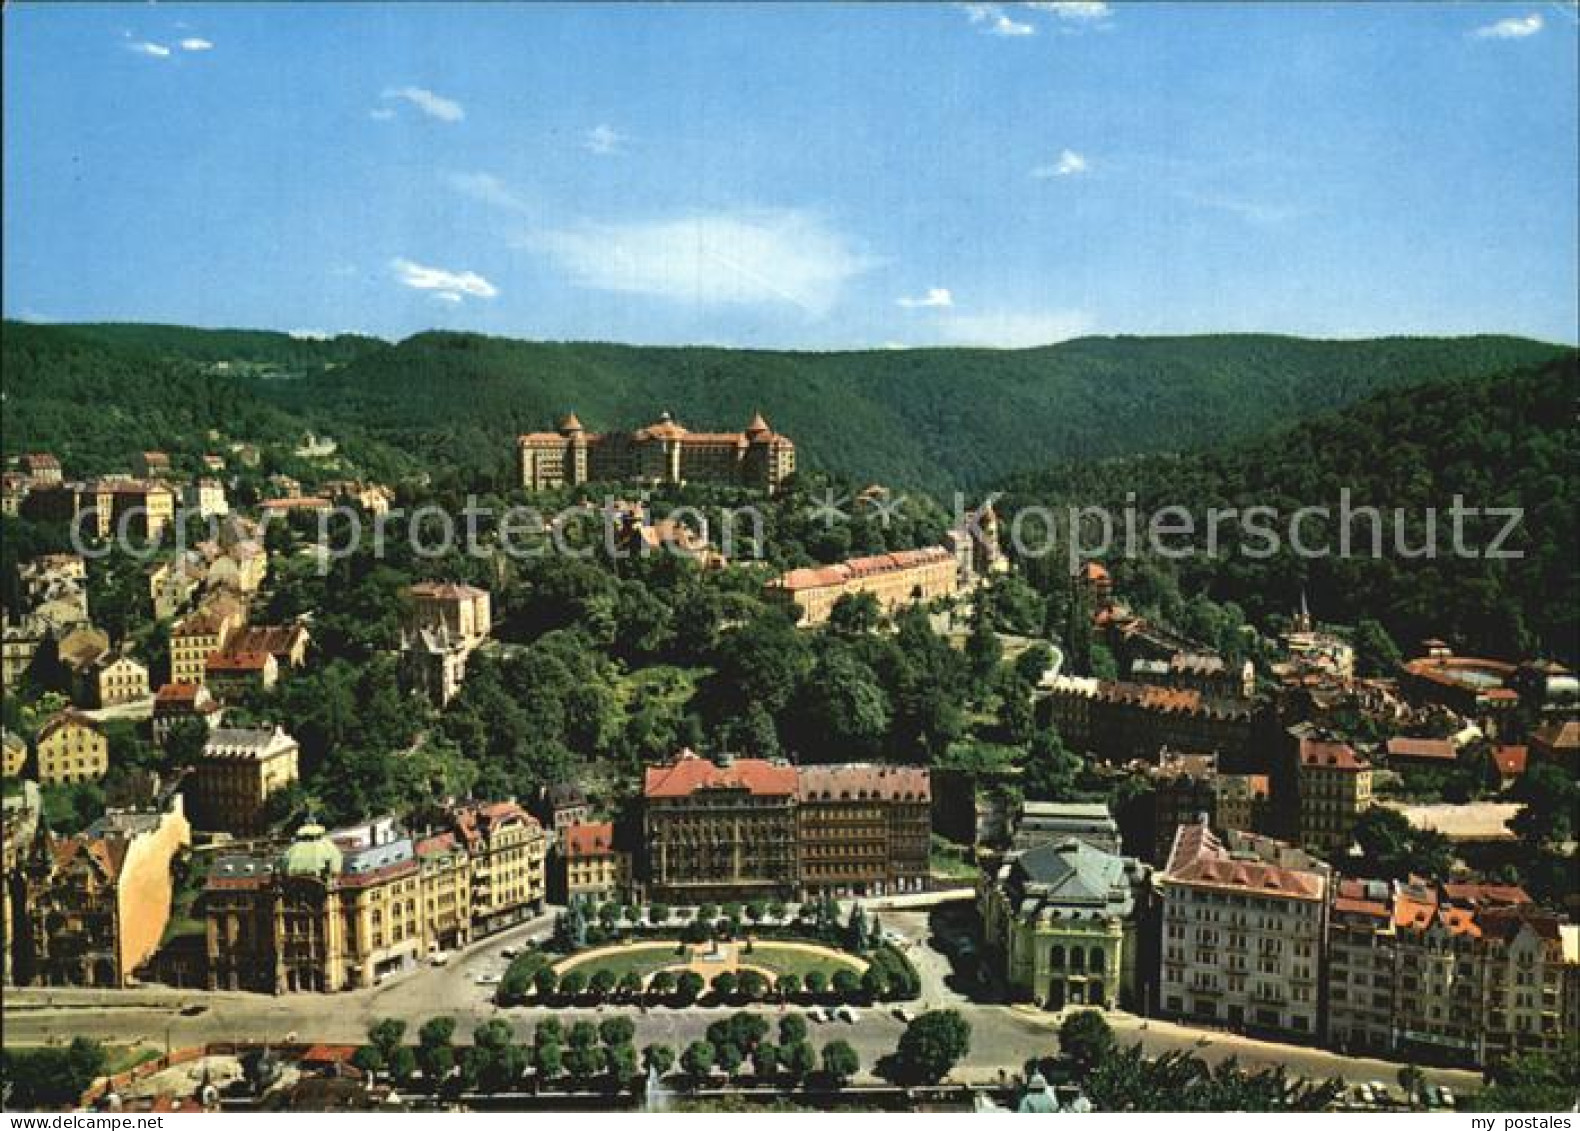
{"x":819,"y":176}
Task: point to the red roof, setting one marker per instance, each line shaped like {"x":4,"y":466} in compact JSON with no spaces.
{"x":1421,"y":749}
{"x":596,"y":839}
{"x":1199,"y":859}
{"x":329,"y":1054}
{"x":823,"y":577}
{"x":1330,"y":755}
{"x":172,"y":693}
{"x":1510,"y":760}
{"x":238,"y":661}
{"x":689,"y":773}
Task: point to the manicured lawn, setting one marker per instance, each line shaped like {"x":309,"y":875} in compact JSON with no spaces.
{"x":788,"y":960}
{"x":642,"y":958}
{"x":648,"y":958}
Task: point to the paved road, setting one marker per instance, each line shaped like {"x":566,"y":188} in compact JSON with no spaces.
{"x":1003,"y":1037}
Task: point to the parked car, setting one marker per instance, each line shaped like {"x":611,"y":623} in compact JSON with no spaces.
{"x":1363,"y":1094}
{"x":1446,"y":1097}
{"x":903,"y":1014}
{"x":510,"y":952}
{"x":846,"y":1013}
{"x":439,"y":959}
{"x":1380,"y":1092}
{"x":816,"y":1014}
{"x":490,"y":978}
{"x":192,"y":1009}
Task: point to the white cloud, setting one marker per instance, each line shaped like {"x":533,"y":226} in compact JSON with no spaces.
{"x":1069,"y":164}
{"x":487,"y":188}
{"x":604,"y":140}
{"x":994,"y":22}
{"x":1256,"y":211}
{"x":1074,"y":11}
{"x":448,"y":286}
{"x":382,"y":114}
{"x":1514,"y":27}
{"x":1014,"y":329}
{"x":431,"y":104}
{"x":145,"y":47}
{"x":935,"y":296}
{"x":194,"y":43}
{"x":758,"y":257}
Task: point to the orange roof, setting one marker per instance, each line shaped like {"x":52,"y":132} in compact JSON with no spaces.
{"x":1330,"y":755}
{"x":689,"y":773}
{"x":1510,"y":760}
{"x":859,"y":781}
{"x":1421,"y":749}
{"x":596,"y":839}
{"x":1505,"y":894}
{"x":238,"y":661}
{"x":1199,"y":859}
{"x":172,"y":693}
{"x":853,"y":569}
{"x":302,"y":502}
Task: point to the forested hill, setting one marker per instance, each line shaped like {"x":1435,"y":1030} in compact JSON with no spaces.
{"x":95,"y":395}
{"x":929,"y":417}
{"x":934,"y":418}
{"x":1506,"y":442}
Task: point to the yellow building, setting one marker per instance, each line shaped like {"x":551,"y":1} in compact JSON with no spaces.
{"x":13,"y":754}
{"x":240,"y":768}
{"x":1333,"y":787}
{"x":121,"y":680}
{"x":461,"y":610}
{"x":330,"y":913}
{"x":72,"y":748}
{"x":446,"y":893}
{"x":508,"y":849}
{"x":663,"y":452}
{"x":201,"y":635}
{"x":591,"y":866}
{"x":902,"y":578}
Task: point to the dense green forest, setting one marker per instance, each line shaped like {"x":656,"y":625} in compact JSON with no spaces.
{"x":95,"y":395}
{"x":930,"y":418}
{"x":1506,"y":442}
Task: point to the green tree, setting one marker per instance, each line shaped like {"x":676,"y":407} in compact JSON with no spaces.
{"x":616,"y":1030}
{"x":729,"y":1058}
{"x":840,"y":1062}
{"x":435,"y":1051}
{"x":1375,"y":651}
{"x":792,"y":1029}
{"x":602,"y":983}
{"x":725,"y":984}
{"x":698,"y":1059}
{"x":688,"y":986}
{"x":799,"y":1060}
{"x":1086,"y":1040}
{"x":932,"y":1045}
{"x":765,"y":1060}
{"x":658,"y":1057}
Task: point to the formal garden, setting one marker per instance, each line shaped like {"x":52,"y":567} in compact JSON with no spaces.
{"x":730,"y":954}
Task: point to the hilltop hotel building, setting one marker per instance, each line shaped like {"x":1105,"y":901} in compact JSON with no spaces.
{"x":663,"y":452}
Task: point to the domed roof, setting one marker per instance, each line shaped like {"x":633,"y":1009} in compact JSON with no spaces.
{"x":312,"y":853}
